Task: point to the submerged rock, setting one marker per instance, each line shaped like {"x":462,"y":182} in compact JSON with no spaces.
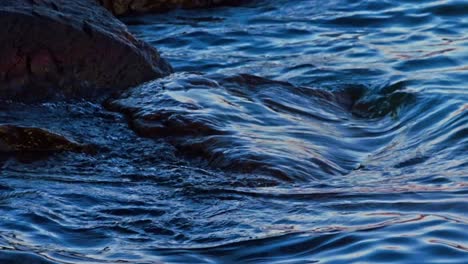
{"x":18,"y":139}
{"x":244,"y":123}
{"x":249,"y":124}
{"x":64,"y":48}
{"x":120,"y":7}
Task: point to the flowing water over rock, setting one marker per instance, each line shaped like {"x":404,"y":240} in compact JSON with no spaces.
{"x":293,"y":132}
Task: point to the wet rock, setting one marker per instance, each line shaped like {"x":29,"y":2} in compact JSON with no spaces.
{"x":18,"y":139}
{"x":69,"y":48}
{"x":244,"y":123}
{"x":120,"y":7}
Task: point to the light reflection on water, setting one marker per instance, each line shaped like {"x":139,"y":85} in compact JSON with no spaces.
{"x":357,"y":152}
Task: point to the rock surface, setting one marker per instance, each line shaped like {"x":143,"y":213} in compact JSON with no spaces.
{"x":242,"y":123}
{"x":19,"y":139}
{"x":120,"y":7}
{"x":64,"y":48}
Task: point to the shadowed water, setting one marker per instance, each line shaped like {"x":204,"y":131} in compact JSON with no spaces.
{"x":293,"y":132}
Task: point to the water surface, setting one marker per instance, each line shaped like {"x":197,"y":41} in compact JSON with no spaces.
{"x":292,"y":132}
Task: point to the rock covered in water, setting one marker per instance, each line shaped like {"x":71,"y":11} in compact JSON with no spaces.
{"x":61,"y":47}
{"x":20,"y":139}
{"x":120,"y":7}
{"x":244,"y":123}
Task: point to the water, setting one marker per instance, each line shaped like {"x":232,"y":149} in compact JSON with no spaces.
{"x":293,"y":132}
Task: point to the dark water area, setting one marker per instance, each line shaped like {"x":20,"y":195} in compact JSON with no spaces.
{"x":292,"y":132}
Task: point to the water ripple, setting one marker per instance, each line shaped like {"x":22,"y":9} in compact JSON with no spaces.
{"x":294,"y":132}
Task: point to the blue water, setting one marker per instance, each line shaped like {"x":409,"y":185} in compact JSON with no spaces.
{"x":293,"y":132}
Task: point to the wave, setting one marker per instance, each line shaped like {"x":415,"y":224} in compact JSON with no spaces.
{"x":250,"y":124}
{"x":331,"y":131}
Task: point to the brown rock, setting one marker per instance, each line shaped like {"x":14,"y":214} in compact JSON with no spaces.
{"x":19,"y":139}
{"x":67,"y":48}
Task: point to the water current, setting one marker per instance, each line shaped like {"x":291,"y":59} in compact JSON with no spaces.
{"x":292,"y":132}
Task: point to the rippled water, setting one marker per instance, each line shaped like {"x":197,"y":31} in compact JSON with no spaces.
{"x":293,"y":132}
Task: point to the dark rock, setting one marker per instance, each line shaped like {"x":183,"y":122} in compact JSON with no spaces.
{"x":69,"y":48}
{"x":120,"y":7}
{"x":243,"y":123}
{"x":18,"y":139}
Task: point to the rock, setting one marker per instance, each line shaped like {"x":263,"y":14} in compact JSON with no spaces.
{"x":19,"y":139}
{"x":120,"y":7}
{"x":243,"y":123}
{"x":69,"y":48}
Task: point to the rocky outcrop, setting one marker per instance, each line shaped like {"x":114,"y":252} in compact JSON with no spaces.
{"x":19,"y":139}
{"x":120,"y":7}
{"x":65,"y":48}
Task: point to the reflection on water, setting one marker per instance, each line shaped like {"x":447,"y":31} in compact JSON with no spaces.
{"x":293,"y":132}
{"x":254,"y":125}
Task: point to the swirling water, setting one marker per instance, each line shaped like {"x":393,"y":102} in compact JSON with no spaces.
{"x":293,"y":132}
